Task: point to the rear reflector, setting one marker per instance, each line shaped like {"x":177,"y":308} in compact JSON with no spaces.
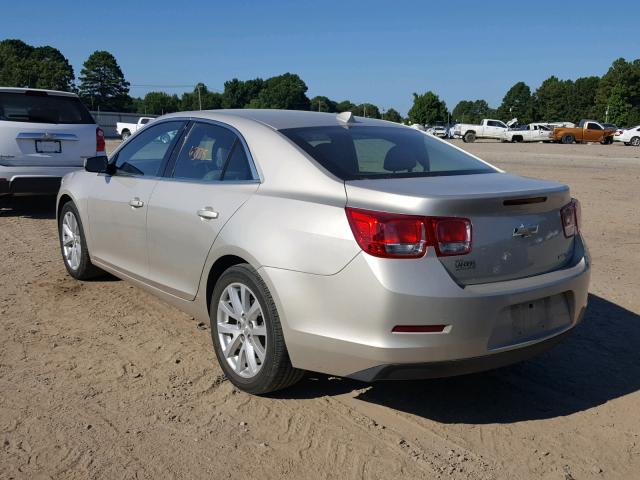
{"x":418,"y":328}
{"x":394,"y":235}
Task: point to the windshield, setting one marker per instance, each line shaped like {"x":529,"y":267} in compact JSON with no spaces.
{"x":353,"y":153}
{"x":42,"y":108}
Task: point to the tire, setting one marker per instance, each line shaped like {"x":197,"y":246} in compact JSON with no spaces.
{"x":469,"y":137}
{"x":567,"y":138}
{"x":238,"y":333}
{"x":607,"y":141}
{"x":73,"y":245}
{"x":124,"y":135}
{"x":635,"y":142}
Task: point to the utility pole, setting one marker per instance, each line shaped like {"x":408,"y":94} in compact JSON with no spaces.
{"x":199,"y":97}
{"x":365,"y":110}
{"x":606,"y":115}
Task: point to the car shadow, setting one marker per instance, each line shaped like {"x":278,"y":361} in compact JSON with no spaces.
{"x":598,"y":363}
{"x":40,"y":207}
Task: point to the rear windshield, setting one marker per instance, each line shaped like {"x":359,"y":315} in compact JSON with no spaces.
{"x":353,"y":153}
{"x":39,"y":108}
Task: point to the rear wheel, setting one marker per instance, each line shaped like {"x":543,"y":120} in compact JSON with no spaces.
{"x":469,"y":137}
{"x":635,"y":141}
{"x":247,"y":335}
{"x":126,"y":134}
{"x":74,"y":246}
{"x":568,"y":138}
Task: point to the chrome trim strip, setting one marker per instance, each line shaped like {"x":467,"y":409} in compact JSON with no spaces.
{"x":47,"y":136}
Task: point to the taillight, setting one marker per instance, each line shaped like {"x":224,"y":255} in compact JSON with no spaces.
{"x":393,"y":235}
{"x":571,"y":215}
{"x":452,"y":236}
{"x":100,"y":143}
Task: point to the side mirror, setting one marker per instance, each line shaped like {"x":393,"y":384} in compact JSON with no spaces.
{"x":96,"y":164}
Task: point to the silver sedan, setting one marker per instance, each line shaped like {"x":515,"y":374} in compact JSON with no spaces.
{"x":331,"y":243}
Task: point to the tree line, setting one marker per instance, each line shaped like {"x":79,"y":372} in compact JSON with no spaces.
{"x":614,"y":97}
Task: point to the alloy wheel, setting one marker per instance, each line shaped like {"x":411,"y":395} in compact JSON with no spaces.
{"x":241,"y":328}
{"x":71,"y":240}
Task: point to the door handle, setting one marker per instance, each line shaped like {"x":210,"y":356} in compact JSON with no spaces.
{"x":136,"y":202}
{"x":207,"y":213}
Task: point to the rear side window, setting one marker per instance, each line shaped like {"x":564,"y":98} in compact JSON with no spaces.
{"x":353,"y":153}
{"x":39,"y":107}
{"x":204,"y":153}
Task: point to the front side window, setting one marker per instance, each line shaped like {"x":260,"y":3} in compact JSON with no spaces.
{"x":353,"y":153}
{"x":211,"y":153}
{"x":593,"y":126}
{"x":144,"y":121}
{"x":145,"y":154}
{"x":493,"y":123}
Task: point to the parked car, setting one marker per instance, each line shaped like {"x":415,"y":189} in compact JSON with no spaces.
{"x":629,"y":136}
{"x":534,"y":132}
{"x":487,"y":129}
{"x":438,"y":129}
{"x":331,"y":243}
{"x":44,"y":134}
{"x":586,"y":131}
{"x":126,"y":129}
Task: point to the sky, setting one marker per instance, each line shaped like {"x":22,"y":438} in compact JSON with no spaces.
{"x":365,"y":51}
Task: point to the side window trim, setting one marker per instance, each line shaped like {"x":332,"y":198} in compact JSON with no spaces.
{"x":170,"y":164}
{"x":168,"y":171}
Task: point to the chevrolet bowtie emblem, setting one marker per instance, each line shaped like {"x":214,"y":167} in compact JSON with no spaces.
{"x":525,"y":231}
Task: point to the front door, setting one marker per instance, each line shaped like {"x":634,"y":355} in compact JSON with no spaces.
{"x":593,"y":132}
{"x":118,"y":203}
{"x":209,"y":180}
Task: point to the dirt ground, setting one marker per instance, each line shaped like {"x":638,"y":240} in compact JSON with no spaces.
{"x":101,"y":380}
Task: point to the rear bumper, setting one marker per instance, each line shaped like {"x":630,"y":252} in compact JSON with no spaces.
{"x":32,"y":181}
{"x":342,"y":324}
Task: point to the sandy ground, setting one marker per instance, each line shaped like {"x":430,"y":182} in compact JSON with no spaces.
{"x":100,"y":380}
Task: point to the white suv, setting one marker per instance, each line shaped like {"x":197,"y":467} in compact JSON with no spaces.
{"x":44,"y":134}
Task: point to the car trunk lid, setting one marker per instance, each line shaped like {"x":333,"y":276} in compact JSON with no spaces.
{"x":516,"y":226}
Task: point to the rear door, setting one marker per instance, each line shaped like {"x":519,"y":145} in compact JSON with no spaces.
{"x":118,"y":203}
{"x":42,"y":129}
{"x":210,"y":178}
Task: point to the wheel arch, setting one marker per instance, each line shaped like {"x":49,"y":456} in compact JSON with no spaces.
{"x":62,"y":201}
{"x":215,"y":272}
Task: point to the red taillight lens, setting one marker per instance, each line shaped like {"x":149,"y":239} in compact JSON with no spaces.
{"x":393,"y":235}
{"x":570,"y":215}
{"x":452,"y":236}
{"x":100,"y":143}
{"x":388,"y":235}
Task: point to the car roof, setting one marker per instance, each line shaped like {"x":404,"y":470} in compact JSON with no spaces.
{"x":26,"y":89}
{"x":282,"y":119}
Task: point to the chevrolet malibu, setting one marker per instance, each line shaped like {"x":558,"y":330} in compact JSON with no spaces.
{"x":331,"y":243}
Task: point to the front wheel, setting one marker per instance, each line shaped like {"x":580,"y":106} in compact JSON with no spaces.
{"x":635,"y":141}
{"x":607,"y":141}
{"x":74,"y":245}
{"x":247,"y":335}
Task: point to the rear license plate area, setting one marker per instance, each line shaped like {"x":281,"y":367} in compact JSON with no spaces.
{"x":527,"y":321}
{"x":48,"y":146}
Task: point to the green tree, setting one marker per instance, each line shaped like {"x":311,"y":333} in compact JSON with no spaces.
{"x":287,"y":91}
{"x":427,"y":108}
{"x":157,"y":103}
{"x":22,"y":65}
{"x":345,"y":106}
{"x":552,"y":99}
{"x":581,"y":98}
{"x":619,"y":93}
{"x":392,"y":115}
{"x":323,"y":104}
{"x":368,"y":110}
{"x":102,"y":83}
{"x":517,"y":103}
{"x":201,"y":96}
{"x":240,"y":93}
{"x":472,"y":111}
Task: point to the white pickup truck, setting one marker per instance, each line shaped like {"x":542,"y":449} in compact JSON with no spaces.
{"x":487,"y":129}
{"x":125,"y":130}
{"x":534,"y":132}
